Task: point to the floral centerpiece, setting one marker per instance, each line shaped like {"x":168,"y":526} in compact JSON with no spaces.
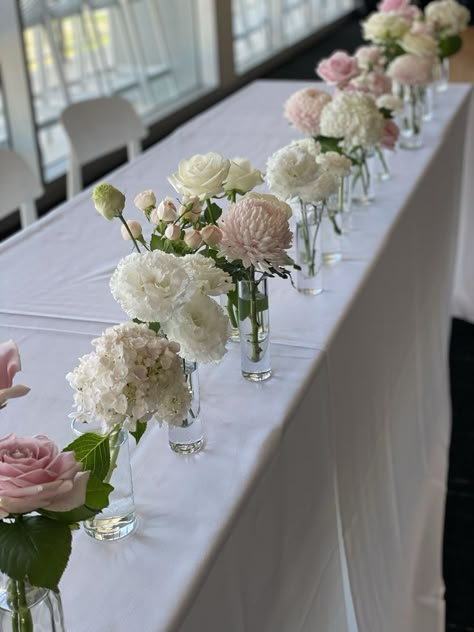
{"x":44,"y":494}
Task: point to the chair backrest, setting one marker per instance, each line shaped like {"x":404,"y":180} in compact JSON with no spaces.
{"x":96,"y":127}
{"x":18,"y":185}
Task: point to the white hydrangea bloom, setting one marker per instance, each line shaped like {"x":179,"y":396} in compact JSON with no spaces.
{"x":354,"y":117}
{"x":292,"y":172}
{"x":201,"y":328}
{"x":132,"y":373}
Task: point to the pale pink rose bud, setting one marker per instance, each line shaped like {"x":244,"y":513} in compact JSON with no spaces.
{"x":167,"y":210}
{"x":193,"y":239}
{"x":154,"y":219}
{"x":190,"y":209}
{"x":145,"y":200}
{"x":135,"y":229}
{"x":211,"y":235}
{"x":173,"y":232}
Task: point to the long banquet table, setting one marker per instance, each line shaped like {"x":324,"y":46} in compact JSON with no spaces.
{"x":318,"y":501}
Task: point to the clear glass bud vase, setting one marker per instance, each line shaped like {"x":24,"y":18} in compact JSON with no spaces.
{"x":331,"y":235}
{"x":254,"y":325}
{"x":363,"y":176}
{"x":341,"y":204}
{"x":118,"y":520}
{"x":411,"y":119}
{"x":427,"y":98}
{"x":443,"y":75}
{"x":309,"y":251}
{"x":230,"y":303}
{"x":188,"y":437}
{"x":384,"y":157}
{"x":27,"y":608}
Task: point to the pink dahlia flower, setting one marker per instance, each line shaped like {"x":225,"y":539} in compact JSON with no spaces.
{"x":256,"y":232}
{"x":303,"y":109}
{"x":391,"y":133}
{"x":411,"y":70}
{"x":338,"y":69}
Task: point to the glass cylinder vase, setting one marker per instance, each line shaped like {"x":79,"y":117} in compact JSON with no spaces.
{"x":384,"y":157}
{"x":363,"y":176}
{"x":188,"y":437}
{"x":309,"y":251}
{"x":427,"y":98}
{"x":411,"y":119}
{"x":254,"y":325}
{"x":341,"y":204}
{"x":27,"y":608}
{"x":443,"y":75}
{"x":331,"y":235}
{"x":230,"y":303}
{"x":118,"y":520}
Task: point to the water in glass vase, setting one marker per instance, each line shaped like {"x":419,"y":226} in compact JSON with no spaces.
{"x":309,"y":251}
{"x":362,"y":177}
{"x":230,"y":303}
{"x":254,"y":325}
{"x":188,"y":437}
{"x":118,"y":520}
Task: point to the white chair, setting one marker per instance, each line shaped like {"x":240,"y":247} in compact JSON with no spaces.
{"x":96,"y":127}
{"x":19,"y":188}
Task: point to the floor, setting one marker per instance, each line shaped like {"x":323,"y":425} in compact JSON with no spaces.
{"x":458,"y":553}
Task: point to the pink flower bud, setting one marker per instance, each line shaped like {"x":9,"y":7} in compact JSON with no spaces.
{"x":211,"y":235}
{"x":193,"y":239}
{"x":167,"y":210}
{"x":190,"y":209}
{"x":173,"y":232}
{"x":135,"y":228}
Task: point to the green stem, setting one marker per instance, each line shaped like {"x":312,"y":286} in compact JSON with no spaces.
{"x":232,"y":314}
{"x":22,"y":620}
{"x":382,"y":159}
{"x":127,"y":227}
{"x":256,"y":348}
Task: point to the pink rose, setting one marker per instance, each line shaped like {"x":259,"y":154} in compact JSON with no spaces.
{"x":390,"y":134}
{"x":338,"y":68}
{"x":10,"y":364}
{"x":211,"y":235}
{"x":374,"y":83}
{"x":35,"y":475}
{"x":411,"y":70}
{"x":402,"y":7}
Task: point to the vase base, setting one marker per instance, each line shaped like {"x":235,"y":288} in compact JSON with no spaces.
{"x":257,"y":376}
{"x":310,"y":291}
{"x":441,"y":87}
{"x":383,"y":177}
{"x":330,"y":258}
{"x":235,"y":335}
{"x":363,"y":201}
{"x":187,"y":448}
{"x":411,"y":145}
{"x":111,"y":529}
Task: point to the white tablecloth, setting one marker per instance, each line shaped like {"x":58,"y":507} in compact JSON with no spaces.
{"x":342,"y":454}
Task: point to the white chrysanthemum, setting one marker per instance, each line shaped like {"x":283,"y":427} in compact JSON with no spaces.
{"x":292,"y":172}
{"x":385,"y":27}
{"x":336,"y":164}
{"x":201,"y":328}
{"x":354,"y":117}
{"x":268,"y":197}
{"x":389,"y":102}
{"x":132,"y":373}
{"x":447,"y":17}
{"x":208,"y":277}
{"x":150,"y":286}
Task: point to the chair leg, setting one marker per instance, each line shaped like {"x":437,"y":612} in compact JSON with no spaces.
{"x":73,"y":178}
{"x":133,"y":149}
{"x":28,"y":213}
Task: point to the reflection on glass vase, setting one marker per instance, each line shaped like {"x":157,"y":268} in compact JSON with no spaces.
{"x":230,"y":303}
{"x":188,"y":437}
{"x":341,"y":204}
{"x":362,"y":177}
{"x":118,"y":520}
{"x":427,"y":98}
{"x":254,"y":324}
{"x":384,"y":157}
{"x":27,"y":608}
{"x":331,"y":235}
{"x":443,"y":75}
{"x":309,"y":253}
{"x":411,"y":119}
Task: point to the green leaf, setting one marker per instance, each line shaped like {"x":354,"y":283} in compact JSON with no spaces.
{"x":140,"y":429}
{"x":212,"y":213}
{"x":328,"y":143}
{"x":157,"y":242}
{"x":450,"y":46}
{"x":154,"y":326}
{"x":244,"y":306}
{"x":35,"y":547}
{"x":93,"y":451}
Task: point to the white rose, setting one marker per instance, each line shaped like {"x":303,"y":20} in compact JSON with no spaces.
{"x":419,"y":44}
{"x":242,"y":177}
{"x":145,"y":200}
{"x":108,"y":200}
{"x":201,"y":175}
{"x":134,"y":227}
{"x":166,"y":210}
{"x":380,"y":27}
{"x":268,"y":197}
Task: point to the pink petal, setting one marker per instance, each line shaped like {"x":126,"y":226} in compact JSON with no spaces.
{"x":73,"y":498}
{"x":9,"y":363}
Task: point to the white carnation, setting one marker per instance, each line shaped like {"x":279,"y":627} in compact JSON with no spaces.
{"x":307,"y":144}
{"x":201,"y":328}
{"x":353,"y":117}
{"x":383,"y":27}
{"x":150,"y":286}
{"x":447,"y":17}
{"x":132,"y":373}
{"x":336,"y":164}
{"x":292,"y":172}
{"x":208,"y":277}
